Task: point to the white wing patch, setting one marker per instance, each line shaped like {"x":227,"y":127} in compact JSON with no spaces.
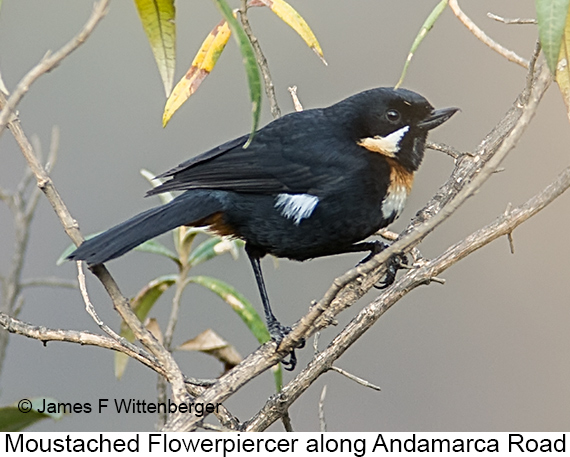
{"x":296,"y":206}
{"x":388,"y":145}
{"x":393,"y":204}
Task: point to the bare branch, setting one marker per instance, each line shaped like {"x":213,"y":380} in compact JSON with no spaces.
{"x":45,"y":334}
{"x":215,"y":428}
{"x":49,"y":62}
{"x":356,"y":379}
{"x":481,"y":36}
{"x":286,"y":419}
{"x":510,"y":234}
{"x":49,"y":281}
{"x":296,"y":102}
{"x":322,"y":419}
{"x":450,"y":151}
{"x":91,"y":309}
{"x":517,"y":20}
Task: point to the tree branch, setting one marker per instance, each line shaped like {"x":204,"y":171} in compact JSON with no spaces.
{"x":45,"y":334}
{"x":261,"y":61}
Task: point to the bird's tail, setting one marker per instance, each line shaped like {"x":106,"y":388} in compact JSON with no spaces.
{"x":186,"y":209}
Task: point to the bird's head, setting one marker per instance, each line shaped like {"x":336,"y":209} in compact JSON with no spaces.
{"x":391,"y":122}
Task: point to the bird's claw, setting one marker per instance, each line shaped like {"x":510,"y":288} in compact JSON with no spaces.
{"x":395,"y":262}
{"x":278,"y":331}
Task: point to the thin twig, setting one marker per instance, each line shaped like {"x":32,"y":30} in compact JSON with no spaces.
{"x":22,"y":203}
{"x":481,"y":36}
{"x":322,"y":419}
{"x":261,"y":61}
{"x":296,"y":102}
{"x":49,"y":281}
{"x":44,"y":334}
{"x":517,"y":20}
{"x":161,"y":386}
{"x":286,"y":419}
{"x":50,"y":61}
{"x":387,"y":234}
{"x":510,"y":234}
{"x":89,"y":306}
{"x":449,"y":150}
{"x":215,"y":428}
{"x":316,"y":337}
{"x":356,"y":379}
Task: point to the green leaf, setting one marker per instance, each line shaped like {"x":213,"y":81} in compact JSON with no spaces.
{"x":551,"y":17}
{"x":425,"y":28}
{"x":211,"y":248}
{"x":563,"y":66}
{"x":251,"y":68}
{"x":14,"y":420}
{"x":238,"y":302}
{"x":157,"y":17}
{"x":204,"y":251}
{"x":141,"y":305}
{"x":154,"y":247}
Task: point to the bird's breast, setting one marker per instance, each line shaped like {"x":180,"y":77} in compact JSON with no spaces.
{"x":399,"y":187}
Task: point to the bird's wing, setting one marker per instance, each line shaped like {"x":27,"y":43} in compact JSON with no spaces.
{"x":283,"y":157}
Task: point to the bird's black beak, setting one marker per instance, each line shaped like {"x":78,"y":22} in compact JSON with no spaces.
{"x":436,"y":118}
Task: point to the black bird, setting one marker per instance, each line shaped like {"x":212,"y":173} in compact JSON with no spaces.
{"x":310,"y":184}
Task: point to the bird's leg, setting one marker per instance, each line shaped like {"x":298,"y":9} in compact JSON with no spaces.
{"x":374,"y":247}
{"x":277,"y":331}
{"x":393,"y":264}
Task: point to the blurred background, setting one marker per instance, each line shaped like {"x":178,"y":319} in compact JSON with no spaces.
{"x":487,"y":351}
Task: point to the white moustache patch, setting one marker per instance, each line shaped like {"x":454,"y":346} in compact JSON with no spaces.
{"x":388,"y":145}
{"x":296,"y":206}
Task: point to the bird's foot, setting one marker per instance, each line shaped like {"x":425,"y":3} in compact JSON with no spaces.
{"x":278,"y":331}
{"x":395,"y":262}
{"x":375,"y":248}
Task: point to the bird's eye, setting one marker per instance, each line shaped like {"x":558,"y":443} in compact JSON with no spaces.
{"x":393,"y":116}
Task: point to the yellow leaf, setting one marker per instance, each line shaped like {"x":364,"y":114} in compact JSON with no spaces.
{"x":201,"y":67}
{"x":212,"y":47}
{"x":157,"y":17}
{"x":294,"y":20}
{"x":563,"y":67}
